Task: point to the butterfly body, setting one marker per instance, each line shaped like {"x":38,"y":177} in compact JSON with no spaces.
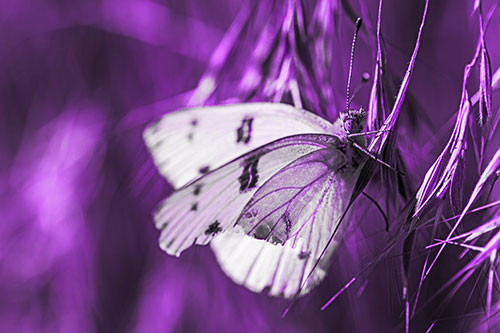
{"x":269,"y":185}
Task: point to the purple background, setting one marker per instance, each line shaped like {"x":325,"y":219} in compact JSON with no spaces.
{"x":78,"y":248}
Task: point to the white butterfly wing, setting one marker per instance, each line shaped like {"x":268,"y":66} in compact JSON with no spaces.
{"x":264,"y":267}
{"x":213,"y":203}
{"x":293,"y":215}
{"x":189,"y":143}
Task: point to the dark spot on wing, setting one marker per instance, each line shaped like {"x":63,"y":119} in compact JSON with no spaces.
{"x":250,"y":213}
{"x":194,"y":207}
{"x":288,"y":223}
{"x":266,"y":290}
{"x":197,"y":189}
{"x":213,"y":229}
{"x":262,"y":231}
{"x":249,"y":177}
{"x":244,"y":132}
{"x":276,"y":240}
{"x":158,"y":208}
{"x":304,"y":255}
{"x":159,"y":143}
{"x":194,"y":122}
{"x":203,"y":170}
{"x":190,"y":137}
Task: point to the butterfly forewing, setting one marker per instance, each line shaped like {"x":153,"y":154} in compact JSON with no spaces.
{"x":189,"y":143}
{"x":209,"y":205}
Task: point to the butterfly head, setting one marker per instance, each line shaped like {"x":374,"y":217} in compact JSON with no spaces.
{"x":352,"y":121}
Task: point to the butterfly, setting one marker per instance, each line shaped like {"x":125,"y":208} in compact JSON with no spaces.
{"x":266,"y":184}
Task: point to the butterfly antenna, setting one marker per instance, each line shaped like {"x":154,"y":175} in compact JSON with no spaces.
{"x":358,"y":26}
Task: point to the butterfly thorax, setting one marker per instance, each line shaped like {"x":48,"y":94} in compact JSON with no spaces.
{"x":349,"y":122}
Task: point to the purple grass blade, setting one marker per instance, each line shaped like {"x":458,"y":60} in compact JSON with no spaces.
{"x":338,"y":294}
{"x":489,"y":293}
{"x":430,"y":327}
{"x":427,"y":257}
{"x":489,"y":173}
{"x":432,"y":182}
{"x":467,"y":246}
{"x":484,"y":85}
{"x":407,"y":311}
{"x":207,"y":83}
{"x":376,"y":102}
{"x":494,"y":125}
{"x":495,"y":81}
{"x":480,"y":208}
{"x":485,"y":91}
{"x":483,"y":228}
{"x":477,"y":5}
{"x":484,"y":129}
{"x":378,"y":144}
{"x":457,"y":152}
{"x":485,"y":254}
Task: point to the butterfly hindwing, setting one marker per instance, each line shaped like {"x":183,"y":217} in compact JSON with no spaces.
{"x":275,"y":211}
{"x":187,"y":144}
{"x":264,"y":267}
{"x":291,"y":219}
{"x":211,"y":204}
